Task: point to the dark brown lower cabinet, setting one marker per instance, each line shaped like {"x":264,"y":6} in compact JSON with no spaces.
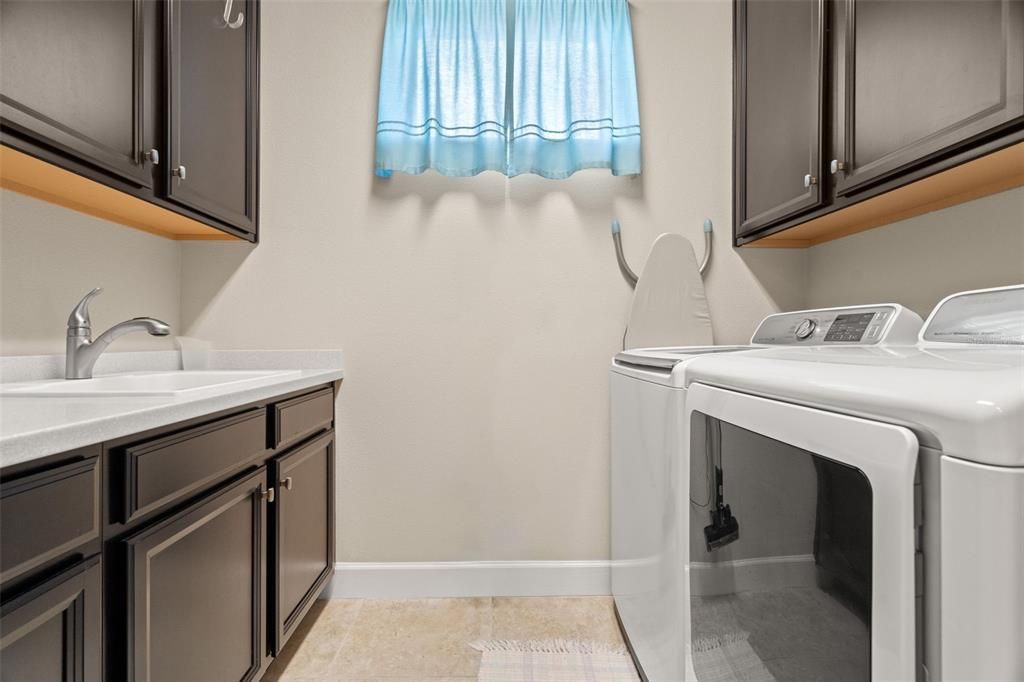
{"x":189,"y":553}
{"x":197,"y":589}
{"x":302,"y":533}
{"x":53,"y":632}
{"x":63,"y":503}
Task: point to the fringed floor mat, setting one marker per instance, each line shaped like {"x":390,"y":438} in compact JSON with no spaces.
{"x":553,"y":661}
{"x":728,"y":659}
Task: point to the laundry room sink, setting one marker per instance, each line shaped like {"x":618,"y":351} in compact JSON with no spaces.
{"x":168,"y":384}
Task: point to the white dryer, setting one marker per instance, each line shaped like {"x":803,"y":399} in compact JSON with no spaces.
{"x":873,"y":504}
{"x":650,"y":472}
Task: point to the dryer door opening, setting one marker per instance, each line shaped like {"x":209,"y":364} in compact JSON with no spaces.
{"x":801,"y":537}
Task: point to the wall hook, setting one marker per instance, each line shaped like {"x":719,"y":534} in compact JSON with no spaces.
{"x":708,"y":229}
{"x":627,"y":272}
{"x":226,"y":19}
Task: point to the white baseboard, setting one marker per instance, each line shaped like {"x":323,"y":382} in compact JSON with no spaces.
{"x":742,"y":575}
{"x":411,"y":580}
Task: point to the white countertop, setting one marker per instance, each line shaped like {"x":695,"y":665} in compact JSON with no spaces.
{"x":34,"y":427}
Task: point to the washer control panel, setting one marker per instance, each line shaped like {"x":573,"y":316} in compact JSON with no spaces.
{"x":855,"y":325}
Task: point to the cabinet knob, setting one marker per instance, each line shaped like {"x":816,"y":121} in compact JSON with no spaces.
{"x":153,"y":156}
{"x":836,"y":166}
{"x":810,"y":180}
{"x":288,"y":483}
{"x":180,"y":172}
{"x":268,"y":494}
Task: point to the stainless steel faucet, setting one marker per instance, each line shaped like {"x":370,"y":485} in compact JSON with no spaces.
{"x":82,"y":351}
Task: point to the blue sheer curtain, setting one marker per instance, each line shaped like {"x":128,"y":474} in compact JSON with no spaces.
{"x":574,"y":89}
{"x":442,"y":87}
{"x":570,"y":104}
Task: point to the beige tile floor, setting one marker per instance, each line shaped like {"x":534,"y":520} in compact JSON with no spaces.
{"x":370,"y":640}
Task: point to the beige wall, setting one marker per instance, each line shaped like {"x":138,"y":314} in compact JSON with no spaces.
{"x":918,"y":261}
{"x":50,"y":257}
{"x":477,"y":315}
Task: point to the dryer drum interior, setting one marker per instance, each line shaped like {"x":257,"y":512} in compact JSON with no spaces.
{"x":780,"y":578}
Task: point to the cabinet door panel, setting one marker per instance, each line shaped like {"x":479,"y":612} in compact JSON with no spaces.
{"x":779,"y":95}
{"x":302,"y":554}
{"x":300,"y":417}
{"x":924,"y":77}
{"x":197,"y":590}
{"x":212,"y":97}
{"x":63,"y":503}
{"x":73,"y":79}
{"x":160,"y":471}
{"x":54,"y":632}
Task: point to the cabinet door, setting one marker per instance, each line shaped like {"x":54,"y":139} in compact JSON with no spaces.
{"x":922,"y":78}
{"x":196,"y":592}
{"x":74,"y":78}
{"x":302,"y":532}
{"x":779,"y":95}
{"x":213,"y":109}
{"x":55,"y":631}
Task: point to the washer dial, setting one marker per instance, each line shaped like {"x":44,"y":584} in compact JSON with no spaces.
{"x":805,"y":329}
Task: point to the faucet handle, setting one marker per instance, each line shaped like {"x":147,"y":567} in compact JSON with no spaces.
{"x":79,"y":317}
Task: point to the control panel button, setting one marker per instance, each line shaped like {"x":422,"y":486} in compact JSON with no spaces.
{"x":805,"y":329}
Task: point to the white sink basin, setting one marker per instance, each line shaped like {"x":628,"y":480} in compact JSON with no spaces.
{"x":142,"y":384}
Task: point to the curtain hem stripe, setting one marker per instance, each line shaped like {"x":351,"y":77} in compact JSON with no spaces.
{"x":511,"y":172}
{"x":440,"y":133}
{"x":437,"y":124}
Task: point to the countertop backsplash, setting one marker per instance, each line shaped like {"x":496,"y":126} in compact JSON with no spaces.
{"x":14,"y":368}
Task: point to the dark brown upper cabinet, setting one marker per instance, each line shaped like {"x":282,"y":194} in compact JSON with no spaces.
{"x":152,"y":105}
{"x":75,"y":79}
{"x":779,"y":98}
{"x":850,"y":114}
{"x":211,"y":91}
{"x":920,"y":78}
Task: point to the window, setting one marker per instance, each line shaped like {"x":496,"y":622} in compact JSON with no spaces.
{"x":514,"y":86}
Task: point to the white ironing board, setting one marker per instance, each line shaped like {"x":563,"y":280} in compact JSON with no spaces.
{"x":669,"y":307}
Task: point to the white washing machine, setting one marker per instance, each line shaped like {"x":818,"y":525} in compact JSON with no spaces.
{"x":649,"y":437}
{"x":857,"y":513}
